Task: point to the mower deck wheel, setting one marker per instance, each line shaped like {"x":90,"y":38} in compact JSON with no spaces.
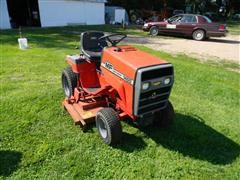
{"x":165,"y":117}
{"x":109,"y":126}
{"x":69,"y":81}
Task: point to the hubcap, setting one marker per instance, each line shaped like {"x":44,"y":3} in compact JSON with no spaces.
{"x":154,"y":31}
{"x":133,"y":18}
{"x":199,"y":35}
{"x":102,"y":128}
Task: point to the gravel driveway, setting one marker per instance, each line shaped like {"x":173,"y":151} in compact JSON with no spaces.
{"x":225,"y":48}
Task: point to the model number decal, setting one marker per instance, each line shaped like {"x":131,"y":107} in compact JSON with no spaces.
{"x":110,"y":67}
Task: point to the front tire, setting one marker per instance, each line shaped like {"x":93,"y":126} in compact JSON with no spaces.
{"x":165,"y":117}
{"x":69,"y":81}
{"x":199,"y":35}
{"x":154,"y":31}
{"x":109,"y":126}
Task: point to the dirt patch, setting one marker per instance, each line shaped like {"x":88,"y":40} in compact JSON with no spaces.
{"x":217,"y":49}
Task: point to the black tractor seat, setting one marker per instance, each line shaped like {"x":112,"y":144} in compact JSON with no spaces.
{"x":91,"y":47}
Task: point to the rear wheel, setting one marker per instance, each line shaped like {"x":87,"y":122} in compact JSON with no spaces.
{"x":109,"y":126}
{"x":69,"y":81}
{"x":165,"y":117}
{"x":199,"y":35}
{"x":154,"y":31}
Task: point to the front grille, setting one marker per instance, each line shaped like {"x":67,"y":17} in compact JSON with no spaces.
{"x":157,"y":106}
{"x":152,"y":100}
{"x":155,"y":98}
{"x":158,"y":92}
{"x":148,"y":100}
{"x":156,"y":73}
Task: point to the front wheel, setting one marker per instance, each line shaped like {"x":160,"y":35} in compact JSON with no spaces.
{"x":154,"y":31}
{"x":109,"y":126}
{"x":199,"y":35}
{"x":165,"y":117}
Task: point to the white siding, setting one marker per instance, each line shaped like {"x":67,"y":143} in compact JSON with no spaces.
{"x":65,"y":12}
{"x":4,"y":17}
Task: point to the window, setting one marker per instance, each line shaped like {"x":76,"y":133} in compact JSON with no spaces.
{"x":206,"y":19}
{"x":176,"y":18}
{"x":189,"y":19}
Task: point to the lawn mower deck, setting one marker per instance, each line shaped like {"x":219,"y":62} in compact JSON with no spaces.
{"x":83,"y":112}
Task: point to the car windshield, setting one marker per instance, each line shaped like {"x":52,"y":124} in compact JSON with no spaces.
{"x":207,"y":19}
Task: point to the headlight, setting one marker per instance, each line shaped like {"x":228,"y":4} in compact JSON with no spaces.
{"x":167,"y":81}
{"x":145,"y":85}
{"x":146,"y":25}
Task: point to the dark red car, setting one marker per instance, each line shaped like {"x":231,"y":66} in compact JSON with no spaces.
{"x":196,"y":26}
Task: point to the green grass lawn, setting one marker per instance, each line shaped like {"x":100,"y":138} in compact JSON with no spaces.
{"x":233,"y":27}
{"x":38,"y":138}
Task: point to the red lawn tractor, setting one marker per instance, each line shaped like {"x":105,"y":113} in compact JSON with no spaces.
{"x":108,"y":83}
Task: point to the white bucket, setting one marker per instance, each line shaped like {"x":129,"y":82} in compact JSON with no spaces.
{"x":23,"y":44}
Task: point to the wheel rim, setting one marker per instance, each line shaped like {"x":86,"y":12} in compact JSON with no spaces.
{"x":66,"y":86}
{"x":102,"y":128}
{"x":199,"y":35}
{"x":133,"y":18}
{"x":154,"y":31}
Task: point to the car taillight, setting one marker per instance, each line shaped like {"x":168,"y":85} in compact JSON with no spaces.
{"x":221,"y":27}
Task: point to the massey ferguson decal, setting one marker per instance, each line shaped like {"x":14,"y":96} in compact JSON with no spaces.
{"x":110,"y":67}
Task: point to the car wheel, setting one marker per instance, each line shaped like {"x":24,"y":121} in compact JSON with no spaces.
{"x":69,"y":81}
{"x":199,"y":35}
{"x":109,"y":126}
{"x":165,"y":117}
{"x":133,"y":17}
{"x":154,"y":31}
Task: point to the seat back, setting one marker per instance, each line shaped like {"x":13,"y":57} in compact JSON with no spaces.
{"x":90,"y":45}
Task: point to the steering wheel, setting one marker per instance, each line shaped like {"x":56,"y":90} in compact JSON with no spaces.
{"x":113,"y":42}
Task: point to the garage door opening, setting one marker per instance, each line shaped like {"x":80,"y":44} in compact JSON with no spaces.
{"x":23,"y":13}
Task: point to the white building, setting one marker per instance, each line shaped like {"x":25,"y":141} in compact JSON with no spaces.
{"x":47,"y":13}
{"x":4,"y":17}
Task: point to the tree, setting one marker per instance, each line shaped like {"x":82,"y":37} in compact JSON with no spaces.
{"x":146,"y":4}
{"x":194,"y":4}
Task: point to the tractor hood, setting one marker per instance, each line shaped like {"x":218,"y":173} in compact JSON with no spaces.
{"x":127,"y":59}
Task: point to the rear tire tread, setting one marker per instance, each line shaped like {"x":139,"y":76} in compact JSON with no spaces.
{"x":71,"y":80}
